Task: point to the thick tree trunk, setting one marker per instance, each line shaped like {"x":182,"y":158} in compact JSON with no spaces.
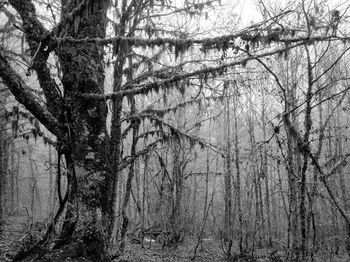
{"x":84,"y":146}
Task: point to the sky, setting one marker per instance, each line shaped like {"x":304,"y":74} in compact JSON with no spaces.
{"x":246,"y":9}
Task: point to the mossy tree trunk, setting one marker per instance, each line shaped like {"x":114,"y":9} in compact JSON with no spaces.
{"x":84,"y":145}
{"x":78,"y":125}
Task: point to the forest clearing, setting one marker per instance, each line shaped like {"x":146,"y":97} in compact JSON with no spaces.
{"x":174,"y":130}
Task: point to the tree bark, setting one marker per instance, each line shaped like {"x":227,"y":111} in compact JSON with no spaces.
{"x":2,"y":174}
{"x":228,"y":184}
{"x":238,"y":170}
{"x":128,"y":187}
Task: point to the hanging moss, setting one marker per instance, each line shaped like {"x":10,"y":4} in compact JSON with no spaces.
{"x":31,"y":119}
{"x":35,"y":133}
{"x":14,"y":127}
{"x":226,"y":85}
{"x":182,"y":88}
{"x":129,"y":99}
{"x":177,"y":51}
{"x":115,"y":46}
{"x":37,"y":125}
{"x":169,"y":47}
{"x":225,"y":45}
{"x":200,"y":105}
{"x":206,"y":77}
{"x":273,"y":37}
{"x":218,"y":45}
{"x":156,"y":88}
{"x":15,"y":111}
{"x":280,"y":54}
{"x":148,"y":30}
{"x":143,"y":45}
{"x":286,"y":52}
{"x":165,"y":98}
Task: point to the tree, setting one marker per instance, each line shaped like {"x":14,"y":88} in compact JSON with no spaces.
{"x":4,"y":155}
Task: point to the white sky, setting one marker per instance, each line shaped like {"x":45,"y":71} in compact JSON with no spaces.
{"x":246,"y":9}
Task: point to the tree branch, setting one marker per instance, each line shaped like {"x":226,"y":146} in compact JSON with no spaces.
{"x":20,"y":90}
{"x":145,"y":88}
{"x":36,"y":36}
{"x":305,"y":149}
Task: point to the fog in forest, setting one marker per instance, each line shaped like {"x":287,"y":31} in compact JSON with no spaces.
{"x":174,"y":130}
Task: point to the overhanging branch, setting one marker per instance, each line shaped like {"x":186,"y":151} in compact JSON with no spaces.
{"x":36,"y":35}
{"x":148,"y":87}
{"x":20,"y":90}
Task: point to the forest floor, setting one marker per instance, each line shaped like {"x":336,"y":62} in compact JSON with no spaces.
{"x":16,"y":231}
{"x":13,"y":232}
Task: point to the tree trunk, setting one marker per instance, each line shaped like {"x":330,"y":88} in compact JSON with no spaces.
{"x":303,"y":188}
{"x":2,"y":175}
{"x":35,"y":205}
{"x":238,"y":171}
{"x":85,"y":146}
{"x":175,"y":218}
{"x":205,"y":207}
{"x":13,"y":172}
{"x":292,"y":167}
{"x":265,"y":171}
{"x":135,"y":132}
{"x":343,"y":189}
{"x":52,"y":187}
{"x":228,"y":185}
